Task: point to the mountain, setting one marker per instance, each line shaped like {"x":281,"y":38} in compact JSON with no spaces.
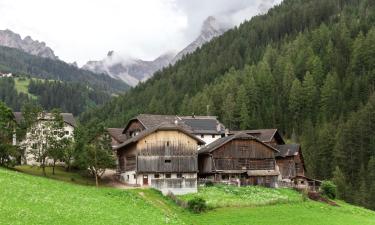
{"x":306,"y":67}
{"x":132,"y":71}
{"x":10,"y":39}
{"x":129,"y":70}
{"x":210,"y":29}
{"x":21,"y":63}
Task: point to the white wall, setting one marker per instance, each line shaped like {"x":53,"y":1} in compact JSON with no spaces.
{"x":208,"y":137}
{"x":28,"y":143}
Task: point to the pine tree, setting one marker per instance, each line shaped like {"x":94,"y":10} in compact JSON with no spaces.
{"x":296,"y":104}
{"x":341,"y":184}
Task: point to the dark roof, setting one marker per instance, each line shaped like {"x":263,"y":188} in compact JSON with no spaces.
{"x":67,"y":117}
{"x":264,"y":135}
{"x":161,"y":127}
{"x":222,"y":141}
{"x":288,"y":150}
{"x":194,"y":124}
{"x":117,"y":134}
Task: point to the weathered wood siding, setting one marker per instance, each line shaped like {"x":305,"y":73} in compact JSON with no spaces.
{"x":167,"y":151}
{"x":291,"y":166}
{"x":243,"y":155}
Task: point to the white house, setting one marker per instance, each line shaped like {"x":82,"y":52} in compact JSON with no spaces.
{"x":69,"y":126}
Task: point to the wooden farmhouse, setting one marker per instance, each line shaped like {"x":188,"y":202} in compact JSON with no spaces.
{"x":148,"y":145}
{"x":241,"y":159}
{"x":163,"y":157}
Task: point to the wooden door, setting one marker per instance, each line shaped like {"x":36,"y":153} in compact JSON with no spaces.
{"x":145,"y":179}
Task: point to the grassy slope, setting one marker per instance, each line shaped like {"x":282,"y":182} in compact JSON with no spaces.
{"x":26,"y":199}
{"x":22,"y":86}
{"x":230,"y":196}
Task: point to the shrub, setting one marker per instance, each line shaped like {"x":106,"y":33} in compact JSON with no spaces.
{"x":209,"y":184}
{"x":197,"y":205}
{"x":328,"y":188}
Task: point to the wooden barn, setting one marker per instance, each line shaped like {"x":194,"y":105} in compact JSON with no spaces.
{"x":163,"y":157}
{"x":239,"y":158}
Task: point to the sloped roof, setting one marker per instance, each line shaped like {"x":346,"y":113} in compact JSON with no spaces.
{"x":222,"y":141}
{"x":160,"y":127}
{"x":264,"y":135}
{"x":117,"y":134}
{"x":288,"y":150}
{"x":67,"y":117}
{"x":194,"y":124}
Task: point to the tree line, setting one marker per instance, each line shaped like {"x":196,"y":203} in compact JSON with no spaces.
{"x":306,"y":68}
{"x":68,"y":96}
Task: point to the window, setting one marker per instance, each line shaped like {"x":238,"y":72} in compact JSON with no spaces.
{"x":34,"y":146}
{"x":167,"y":143}
{"x":213,"y":136}
{"x":134,"y":176}
{"x":156,"y":176}
{"x":168,"y":175}
{"x":179,"y":175}
{"x":167,"y":161}
{"x":127,"y":177}
{"x":202,"y":135}
{"x":66,"y":132}
{"x":55,"y":132}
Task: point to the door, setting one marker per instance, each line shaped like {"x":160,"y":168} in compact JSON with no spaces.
{"x":145,"y":180}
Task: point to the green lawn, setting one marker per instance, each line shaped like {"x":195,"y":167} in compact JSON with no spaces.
{"x":26,"y":199}
{"x":230,"y":196}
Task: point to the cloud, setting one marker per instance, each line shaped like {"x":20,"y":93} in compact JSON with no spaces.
{"x":82,"y":30}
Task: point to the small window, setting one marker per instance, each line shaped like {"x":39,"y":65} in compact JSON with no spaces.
{"x":179,"y":175}
{"x":34,"y":146}
{"x":66,"y":132}
{"x":156,"y":176}
{"x":168,"y":175}
{"x":202,"y":135}
{"x":127,"y":177}
{"x":55,"y":132}
{"x":222,"y":135}
{"x":134,"y":176}
{"x":167,"y":161}
{"x":167,"y":143}
{"x":213,"y":136}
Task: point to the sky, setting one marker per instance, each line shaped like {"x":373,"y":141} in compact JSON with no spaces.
{"x":83,"y":30}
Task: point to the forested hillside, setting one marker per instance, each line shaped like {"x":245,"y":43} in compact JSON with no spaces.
{"x":68,"y":96}
{"x":307,"y":67}
{"x":18,"y":62}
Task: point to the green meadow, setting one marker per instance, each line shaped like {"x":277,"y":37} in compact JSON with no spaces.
{"x":28,"y":199}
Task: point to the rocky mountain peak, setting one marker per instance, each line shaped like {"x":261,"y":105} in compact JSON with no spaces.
{"x":13,"y":40}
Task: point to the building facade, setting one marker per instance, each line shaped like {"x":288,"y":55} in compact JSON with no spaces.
{"x":163,"y":157}
{"x":36,"y":135}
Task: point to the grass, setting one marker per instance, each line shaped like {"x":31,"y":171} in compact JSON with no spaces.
{"x":60,"y":174}
{"x":230,"y":196}
{"x":22,"y":86}
{"x":26,"y":199}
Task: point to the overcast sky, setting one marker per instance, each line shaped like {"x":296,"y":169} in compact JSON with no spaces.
{"x":82,"y":30}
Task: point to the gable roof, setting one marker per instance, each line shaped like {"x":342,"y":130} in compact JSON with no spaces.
{"x":222,"y":141}
{"x":288,"y":150}
{"x":67,"y":117}
{"x":160,"y":127}
{"x":194,"y":124}
{"x":117,"y":134}
{"x":264,"y":135}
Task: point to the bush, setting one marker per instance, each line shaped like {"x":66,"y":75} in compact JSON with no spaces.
{"x":197,"y":205}
{"x":328,"y":188}
{"x":209,"y":184}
